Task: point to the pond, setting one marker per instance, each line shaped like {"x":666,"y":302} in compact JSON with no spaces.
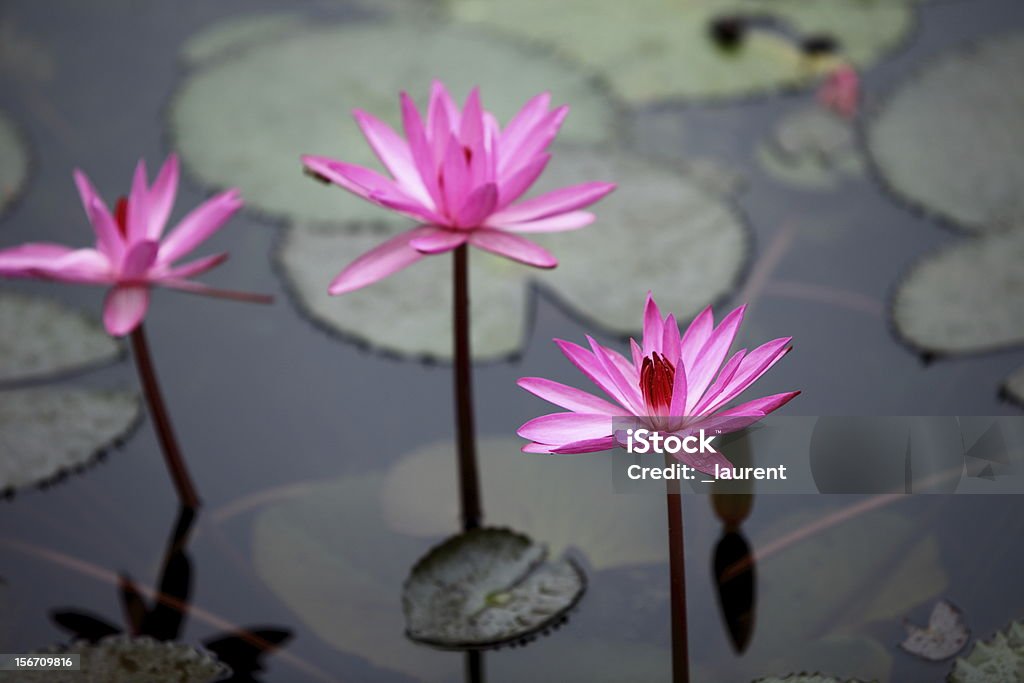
{"x":318,"y":430}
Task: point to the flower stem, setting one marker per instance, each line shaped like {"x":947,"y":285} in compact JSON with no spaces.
{"x":162,"y":421}
{"x":677,"y":580}
{"x":469,"y":484}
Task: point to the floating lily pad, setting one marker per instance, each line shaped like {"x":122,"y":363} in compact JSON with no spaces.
{"x":948,"y":139}
{"x":811,"y":148}
{"x":945,"y":635}
{"x":658,"y":49}
{"x":647,"y":232}
{"x":222,"y":37}
{"x":485,"y":588}
{"x":234,"y":130}
{"x":47,"y":432}
{"x":965,"y":298}
{"x":13,"y":162}
{"x":419,"y":498}
{"x":39,"y":337}
{"x":1015,"y":386}
{"x":994,"y":661}
{"x":118,"y":659}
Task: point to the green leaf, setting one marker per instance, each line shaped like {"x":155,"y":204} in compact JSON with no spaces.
{"x":13,"y":161}
{"x":485,"y":588}
{"x":119,"y":659}
{"x":965,"y":298}
{"x":811,"y":148}
{"x":233,"y":130}
{"x":410,"y":312}
{"x":47,"y":432}
{"x":653,"y":50}
{"x":420,"y":498}
{"x":994,"y":661}
{"x":948,"y":140}
{"x":219,"y":39}
{"x":40,"y":338}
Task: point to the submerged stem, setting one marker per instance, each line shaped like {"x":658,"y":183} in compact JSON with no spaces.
{"x":469,"y":485}
{"x":162,"y":420}
{"x":677,"y":580}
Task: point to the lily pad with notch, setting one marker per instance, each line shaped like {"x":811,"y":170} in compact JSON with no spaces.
{"x":945,"y":635}
{"x":486,"y":588}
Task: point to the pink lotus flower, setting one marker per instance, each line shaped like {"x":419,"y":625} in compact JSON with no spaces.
{"x":460,"y":175}
{"x":669,"y":385}
{"x":129,"y":253}
{"x":840,"y":91}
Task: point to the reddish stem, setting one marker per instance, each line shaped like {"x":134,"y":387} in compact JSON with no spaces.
{"x":677,"y":580}
{"x":469,"y":484}
{"x":162,"y":421}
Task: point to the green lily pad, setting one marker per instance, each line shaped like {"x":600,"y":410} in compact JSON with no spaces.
{"x":661,"y":49}
{"x":118,"y":659}
{"x":965,"y":298}
{"x":409,"y":313}
{"x":13,"y":162}
{"x":419,"y":498}
{"x":224,"y":36}
{"x":45,"y":433}
{"x":948,"y":139}
{"x":39,"y":338}
{"x":995,"y":661}
{"x":487,"y":587}
{"x":233,"y":130}
{"x":811,"y":148}
{"x":1015,"y":386}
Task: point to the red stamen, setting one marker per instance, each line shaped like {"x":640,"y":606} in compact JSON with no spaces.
{"x":468,"y":153}
{"x":121,"y":215}
{"x":657,"y":377}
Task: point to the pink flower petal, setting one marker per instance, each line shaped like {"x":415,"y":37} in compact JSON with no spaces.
{"x":419,"y":147}
{"x":124,"y":308}
{"x":139,"y":258}
{"x":455,"y":180}
{"x":393,"y":152}
{"x":199,"y":225}
{"x":513,"y":186}
{"x":379,"y":262}
{"x":439,"y":240}
{"x":197,"y":267}
{"x":478,"y":206}
{"x":553,"y":203}
{"x":587,"y":446}
{"x":513,"y":247}
{"x":564,"y":428}
{"x":108,"y":237}
{"x":654,"y":327}
{"x":628,"y":392}
{"x":573,"y":220}
{"x":695,"y":337}
{"x":533,"y":143}
{"x":370,"y":185}
{"x":751,"y":368}
{"x":20,"y":260}
{"x":522,"y":123}
{"x":589,"y":365}
{"x":710,"y":398}
{"x":568,"y":397}
{"x":670,"y":339}
{"x":679,"y":392}
{"x":161,"y":197}
{"x":138,"y":204}
{"x":710,"y":358}
{"x":760,"y":406}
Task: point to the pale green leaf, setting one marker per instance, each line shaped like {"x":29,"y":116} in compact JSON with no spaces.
{"x":219,"y":39}
{"x":811,"y":148}
{"x":997,"y":660}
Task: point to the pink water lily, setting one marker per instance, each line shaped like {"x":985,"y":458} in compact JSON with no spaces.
{"x":131,"y":253}
{"x":840,"y":91}
{"x":670,"y":385}
{"x":460,"y":175}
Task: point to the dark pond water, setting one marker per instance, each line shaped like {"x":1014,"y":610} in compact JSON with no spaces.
{"x":267,"y":406}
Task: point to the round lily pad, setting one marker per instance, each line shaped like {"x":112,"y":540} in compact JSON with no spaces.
{"x":47,"y":432}
{"x":220,"y":38}
{"x":994,"y":661}
{"x":420,"y":498}
{"x":965,"y":298}
{"x":662,"y":49}
{"x":13,"y":162}
{"x":39,"y":338}
{"x":485,"y":588}
{"x":1015,"y":386}
{"x":645,"y":236}
{"x":119,"y":659}
{"x":234,"y":130}
{"x":948,"y":140}
{"x":811,"y":148}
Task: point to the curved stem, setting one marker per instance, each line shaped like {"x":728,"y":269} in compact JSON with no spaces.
{"x":162,"y":420}
{"x":469,"y":484}
{"x":677,"y":580}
